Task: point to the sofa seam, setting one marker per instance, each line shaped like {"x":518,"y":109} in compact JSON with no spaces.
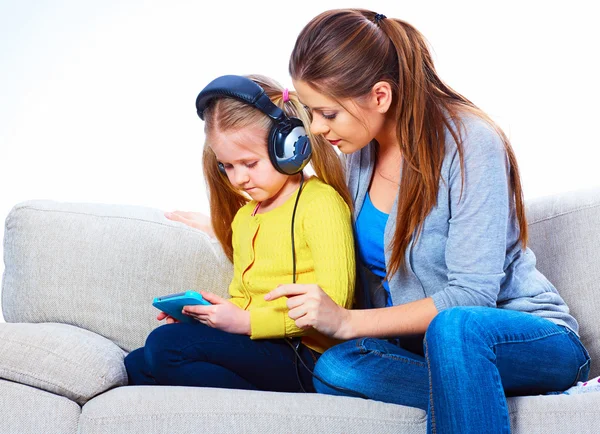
{"x":59,"y":356}
{"x":187,"y":229}
{"x":102,"y":420}
{"x":78,"y":396}
{"x":582,"y":208}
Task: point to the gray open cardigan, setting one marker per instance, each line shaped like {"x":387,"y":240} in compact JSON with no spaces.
{"x":468,"y":253}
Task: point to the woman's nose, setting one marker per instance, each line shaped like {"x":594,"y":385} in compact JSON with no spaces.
{"x":317,"y":126}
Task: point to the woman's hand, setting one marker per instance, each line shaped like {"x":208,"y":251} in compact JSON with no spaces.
{"x":222,"y":315}
{"x":310,"y":306}
{"x":193,"y":219}
{"x":170,"y":319}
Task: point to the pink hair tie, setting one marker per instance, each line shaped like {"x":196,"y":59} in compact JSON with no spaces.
{"x":286,"y":95}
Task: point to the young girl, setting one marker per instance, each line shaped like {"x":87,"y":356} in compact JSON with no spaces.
{"x":441,"y":233}
{"x":276,"y":227}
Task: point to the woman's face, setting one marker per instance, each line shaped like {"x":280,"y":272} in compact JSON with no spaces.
{"x":350,"y":127}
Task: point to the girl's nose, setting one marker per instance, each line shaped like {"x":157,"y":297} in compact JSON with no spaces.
{"x":240,"y":176}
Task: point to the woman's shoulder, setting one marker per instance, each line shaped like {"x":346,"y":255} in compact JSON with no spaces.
{"x":478,"y":136}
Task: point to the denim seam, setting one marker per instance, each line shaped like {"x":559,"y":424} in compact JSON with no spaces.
{"x":520,"y":341}
{"x":499,"y":386}
{"x":397,"y":358}
{"x":431,"y":408}
{"x":364,"y":351}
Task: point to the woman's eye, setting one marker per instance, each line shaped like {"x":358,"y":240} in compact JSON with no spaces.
{"x":329,"y":116}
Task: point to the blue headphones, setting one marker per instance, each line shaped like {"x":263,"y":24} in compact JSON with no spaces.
{"x":288,"y":145}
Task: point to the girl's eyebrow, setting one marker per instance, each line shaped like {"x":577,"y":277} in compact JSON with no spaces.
{"x":241,"y":160}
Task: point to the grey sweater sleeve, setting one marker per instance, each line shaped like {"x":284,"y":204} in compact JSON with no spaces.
{"x":479,"y":220}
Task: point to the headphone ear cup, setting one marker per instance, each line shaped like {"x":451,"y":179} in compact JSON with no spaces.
{"x":222,"y":169}
{"x":289,"y":147}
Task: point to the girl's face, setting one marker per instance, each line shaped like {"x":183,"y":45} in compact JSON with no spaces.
{"x":244,"y":155}
{"x":350,"y":128}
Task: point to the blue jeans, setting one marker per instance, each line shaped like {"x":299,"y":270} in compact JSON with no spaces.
{"x":474,"y":357}
{"x":197,"y":355}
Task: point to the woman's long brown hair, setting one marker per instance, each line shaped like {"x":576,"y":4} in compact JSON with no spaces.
{"x":343,"y":53}
{"x":228,"y":114}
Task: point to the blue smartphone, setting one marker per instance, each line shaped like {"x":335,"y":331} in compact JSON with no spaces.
{"x":172,"y":304}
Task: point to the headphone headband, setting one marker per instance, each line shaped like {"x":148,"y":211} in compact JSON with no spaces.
{"x":241,"y":88}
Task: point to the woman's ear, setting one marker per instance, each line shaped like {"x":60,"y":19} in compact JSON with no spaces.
{"x":381,"y":96}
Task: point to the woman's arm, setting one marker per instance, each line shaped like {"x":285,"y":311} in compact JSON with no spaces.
{"x":309,"y":306}
{"x":475,"y":252}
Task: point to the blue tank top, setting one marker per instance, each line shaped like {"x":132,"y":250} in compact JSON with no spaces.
{"x":370,"y":226}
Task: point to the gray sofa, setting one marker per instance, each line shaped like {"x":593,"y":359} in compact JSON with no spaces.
{"x":77,"y":292}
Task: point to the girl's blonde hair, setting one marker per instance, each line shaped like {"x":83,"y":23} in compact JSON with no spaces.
{"x":229,"y":114}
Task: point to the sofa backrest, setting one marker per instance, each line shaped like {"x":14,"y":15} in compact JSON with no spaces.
{"x":564,"y":232}
{"x":100,"y":266}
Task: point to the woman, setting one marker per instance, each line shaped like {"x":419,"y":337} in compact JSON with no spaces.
{"x":459,"y":315}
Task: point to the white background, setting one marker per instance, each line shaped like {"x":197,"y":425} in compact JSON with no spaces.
{"x":97,"y":97}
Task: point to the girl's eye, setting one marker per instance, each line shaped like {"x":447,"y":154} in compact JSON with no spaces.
{"x":251,"y":165}
{"x":330,"y":117}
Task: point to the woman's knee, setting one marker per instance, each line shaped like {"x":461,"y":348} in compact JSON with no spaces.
{"x":453,"y":329}
{"x":336,"y":367}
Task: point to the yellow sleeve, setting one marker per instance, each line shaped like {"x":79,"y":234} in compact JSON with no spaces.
{"x":236,"y":292}
{"x":329,"y":235}
{"x":327,"y":230}
{"x":272,"y":321}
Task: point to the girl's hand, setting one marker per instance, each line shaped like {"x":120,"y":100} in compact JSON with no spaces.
{"x":170,"y":319}
{"x":310,"y":306}
{"x":222,"y":315}
{"x":193,"y":219}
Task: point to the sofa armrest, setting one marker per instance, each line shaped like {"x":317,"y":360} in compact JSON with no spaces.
{"x":60,"y":358}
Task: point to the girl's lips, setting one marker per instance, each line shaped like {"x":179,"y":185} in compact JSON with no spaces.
{"x":335,"y":142}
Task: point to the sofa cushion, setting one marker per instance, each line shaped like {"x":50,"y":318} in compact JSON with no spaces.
{"x":26,"y":410}
{"x":564,"y":232}
{"x":99,"y":266}
{"x":554,"y":414}
{"x":61,"y":359}
{"x":144,"y":409}
{"x":156,"y":409}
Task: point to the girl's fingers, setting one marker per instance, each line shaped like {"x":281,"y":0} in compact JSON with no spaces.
{"x":197,"y":309}
{"x":212,"y":298}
